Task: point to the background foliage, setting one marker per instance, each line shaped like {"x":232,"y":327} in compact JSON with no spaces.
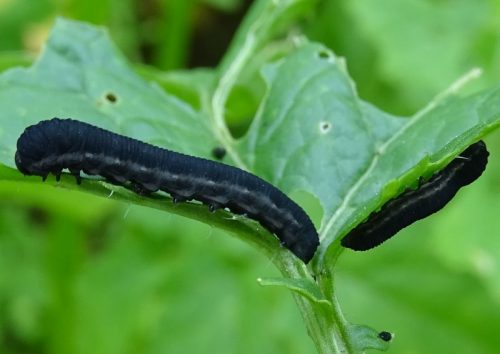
{"x":79,"y":274}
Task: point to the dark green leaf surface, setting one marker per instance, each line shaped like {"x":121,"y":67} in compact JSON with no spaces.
{"x":78,"y":68}
{"x":314,"y":133}
{"x":76,"y":71}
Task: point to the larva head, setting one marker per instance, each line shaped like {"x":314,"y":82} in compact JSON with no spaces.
{"x":21,"y":165}
{"x":302,"y":244}
{"x":473,"y":162}
{"x":34,"y":147}
{"x":30,"y":149}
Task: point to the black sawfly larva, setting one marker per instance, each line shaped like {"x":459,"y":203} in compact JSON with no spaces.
{"x":53,"y":145}
{"x":413,"y":205}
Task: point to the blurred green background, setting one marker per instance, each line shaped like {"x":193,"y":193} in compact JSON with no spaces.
{"x":80,"y":274}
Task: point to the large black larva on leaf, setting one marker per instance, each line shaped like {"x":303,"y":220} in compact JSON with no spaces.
{"x":417,"y":204}
{"x":52,"y":145}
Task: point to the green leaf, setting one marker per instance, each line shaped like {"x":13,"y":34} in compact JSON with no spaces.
{"x":313,"y":133}
{"x":344,"y":153}
{"x":364,"y":338}
{"x":303,"y":287}
{"x":310,"y":89}
{"x":238,"y":226}
{"x":78,"y":69}
{"x":191,"y":86}
{"x":265,"y":20}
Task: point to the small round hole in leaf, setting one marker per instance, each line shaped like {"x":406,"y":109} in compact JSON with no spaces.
{"x":324,"y":127}
{"x":323,"y":54}
{"x":111,"y":97}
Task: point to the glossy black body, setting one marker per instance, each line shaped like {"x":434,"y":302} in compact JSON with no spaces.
{"x":413,"y":205}
{"x":53,"y":145}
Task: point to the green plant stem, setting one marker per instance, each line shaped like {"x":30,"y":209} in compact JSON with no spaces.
{"x":324,"y":321}
{"x":325,"y":324}
{"x":255,"y":30}
{"x":176,"y":34}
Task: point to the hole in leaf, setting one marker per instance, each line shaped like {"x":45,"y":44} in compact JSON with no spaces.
{"x":323,"y":54}
{"x":324,"y":127}
{"x":111,"y":97}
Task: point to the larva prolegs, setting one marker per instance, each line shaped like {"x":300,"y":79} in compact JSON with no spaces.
{"x":55,"y":144}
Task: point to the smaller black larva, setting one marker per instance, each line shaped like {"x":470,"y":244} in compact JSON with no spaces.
{"x":53,"y":145}
{"x":417,"y":204}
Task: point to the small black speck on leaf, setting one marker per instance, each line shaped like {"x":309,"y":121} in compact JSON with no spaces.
{"x":385,"y":336}
{"x":111,"y":97}
{"x":323,"y":54}
{"x":219,"y":152}
{"x":325,"y":127}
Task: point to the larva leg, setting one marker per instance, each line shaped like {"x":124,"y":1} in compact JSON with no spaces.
{"x":76,"y":173}
{"x":212,"y":207}
{"x":57,"y":173}
{"x":177,"y":198}
{"x":139,"y":189}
